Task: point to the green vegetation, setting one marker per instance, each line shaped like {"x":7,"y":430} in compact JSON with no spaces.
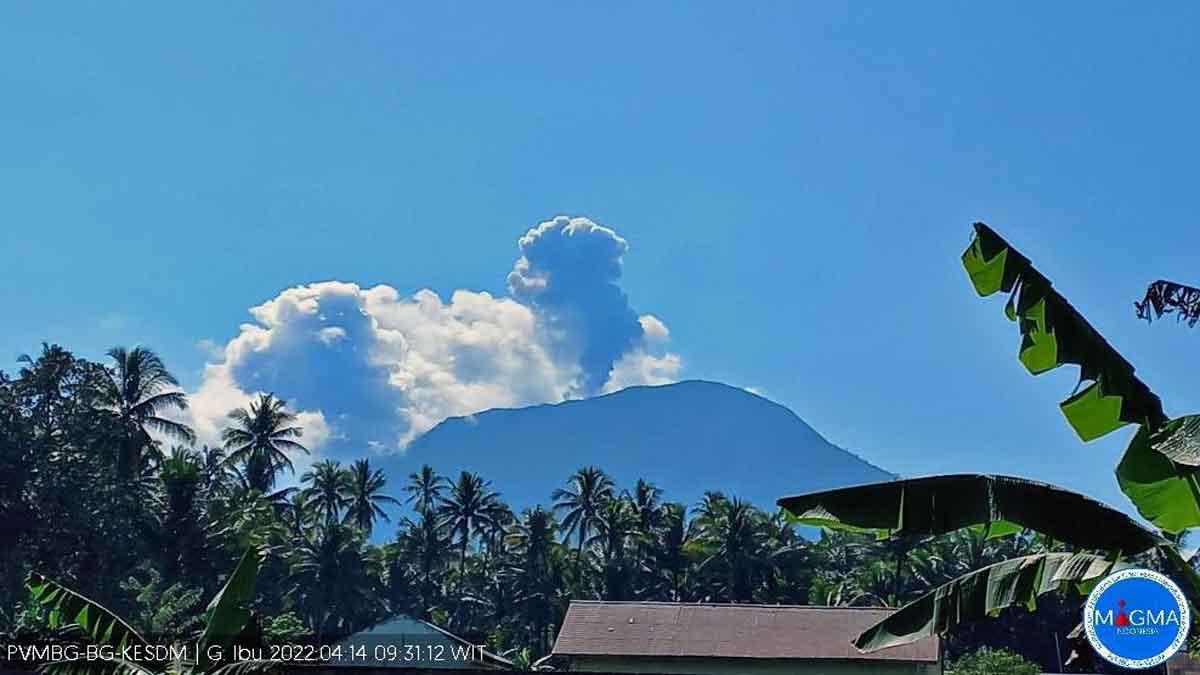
{"x":993,"y":662}
{"x":226,"y":619}
{"x":90,"y":499}
{"x":1158,"y":471}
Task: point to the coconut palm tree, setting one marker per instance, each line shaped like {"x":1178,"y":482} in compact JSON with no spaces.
{"x":326,"y":494}
{"x":534,"y":540}
{"x":296,"y":514}
{"x":365,"y":496}
{"x":733,"y":534}
{"x":425,"y":488}
{"x":618,"y":524}
{"x":586,"y":493}
{"x":179,"y":537}
{"x":671,"y":560}
{"x":337,"y":586}
{"x":215,"y":475}
{"x":139,"y":391}
{"x":467,"y":509}
{"x":499,"y":524}
{"x":425,"y":544}
{"x":260,"y":439}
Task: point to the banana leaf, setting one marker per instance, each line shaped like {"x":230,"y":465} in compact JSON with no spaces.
{"x":1167,"y":297}
{"x":1053,"y":333}
{"x":1000,"y":504}
{"x":69,"y":608}
{"x":1159,"y":475}
{"x":229,"y":609}
{"x":984,"y":593}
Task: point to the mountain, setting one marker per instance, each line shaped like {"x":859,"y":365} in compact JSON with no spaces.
{"x":687,"y":438}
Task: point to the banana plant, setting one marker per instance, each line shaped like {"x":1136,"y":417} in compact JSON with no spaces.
{"x":226,"y":616}
{"x":998,"y":506}
{"x":1158,"y":472}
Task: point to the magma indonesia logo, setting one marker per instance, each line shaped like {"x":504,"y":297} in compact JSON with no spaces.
{"x":1136,"y":618}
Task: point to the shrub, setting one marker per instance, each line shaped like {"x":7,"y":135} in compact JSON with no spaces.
{"x":993,"y":662}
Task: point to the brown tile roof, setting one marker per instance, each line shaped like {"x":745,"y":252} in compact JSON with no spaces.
{"x":726,"y":631}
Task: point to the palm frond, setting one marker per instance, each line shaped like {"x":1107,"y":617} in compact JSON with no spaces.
{"x":171,"y":428}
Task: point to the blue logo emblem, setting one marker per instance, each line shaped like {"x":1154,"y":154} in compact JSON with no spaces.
{"x":1136,"y":618}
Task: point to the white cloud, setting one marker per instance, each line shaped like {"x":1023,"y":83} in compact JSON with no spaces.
{"x":654,"y":330}
{"x":640,"y":367}
{"x":372,"y":368}
{"x":209,"y":407}
{"x":331,"y":335}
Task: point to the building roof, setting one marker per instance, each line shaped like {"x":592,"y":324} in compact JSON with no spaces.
{"x":664,"y":629}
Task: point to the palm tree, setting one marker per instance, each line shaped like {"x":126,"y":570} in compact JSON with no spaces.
{"x":467,"y":509}
{"x":733,"y":533}
{"x":587,"y":491}
{"x":617,"y":525}
{"x":645,"y":498}
{"x":180,"y":540}
{"x":670,"y":556}
{"x":338,"y":587}
{"x":425,"y":488}
{"x":296,"y":514}
{"x":260,"y":439}
{"x":139,"y":390}
{"x":365,"y":496}
{"x":499,"y":523}
{"x":533,"y":539}
{"x":215,"y":475}
{"x":425,"y":543}
{"x":326,"y":495}
{"x":648,"y":510}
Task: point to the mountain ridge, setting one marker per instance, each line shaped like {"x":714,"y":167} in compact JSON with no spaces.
{"x":680,"y":436}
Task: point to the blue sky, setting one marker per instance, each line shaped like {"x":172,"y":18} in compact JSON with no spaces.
{"x":795,"y":182}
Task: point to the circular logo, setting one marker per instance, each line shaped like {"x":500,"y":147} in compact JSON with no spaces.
{"x":1136,"y":618}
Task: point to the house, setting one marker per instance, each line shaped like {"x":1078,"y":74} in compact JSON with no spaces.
{"x":698,"y":639}
{"x":404,"y":643}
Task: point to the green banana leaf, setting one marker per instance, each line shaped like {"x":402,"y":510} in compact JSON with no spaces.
{"x":1165,"y":492}
{"x":227,"y":616}
{"x":983,"y":594}
{"x":1001,"y":504}
{"x":1053,"y":333}
{"x":69,"y":608}
{"x":229,"y":609}
{"x":1158,"y":471}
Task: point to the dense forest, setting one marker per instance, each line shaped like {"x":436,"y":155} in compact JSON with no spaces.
{"x":102,"y":490}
